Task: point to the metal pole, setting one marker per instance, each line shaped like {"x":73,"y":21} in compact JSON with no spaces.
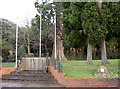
{"x":40,"y":35}
{"x":16,"y":43}
{"x":40,"y":46}
{"x":55,"y":38}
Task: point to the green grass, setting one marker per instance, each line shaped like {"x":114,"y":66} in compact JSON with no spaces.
{"x":11,"y":64}
{"x":79,"y":69}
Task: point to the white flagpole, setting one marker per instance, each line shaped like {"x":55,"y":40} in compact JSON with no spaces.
{"x":40,"y":47}
{"x":55,"y":38}
{"x":40,"y":35}
{"x":16,"y":43}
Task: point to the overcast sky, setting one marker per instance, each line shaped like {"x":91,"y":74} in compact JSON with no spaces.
{"x":23,"y":9}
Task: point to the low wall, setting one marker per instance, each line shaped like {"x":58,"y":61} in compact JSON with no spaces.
{"x":7,"y":71}
{"x":83,"y":82}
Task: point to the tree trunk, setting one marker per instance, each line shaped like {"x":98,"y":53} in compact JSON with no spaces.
{"x":60,"y":50}
{"x":103,"y":46}
{"x":103,"y":53}
{"x":89,"y":54}
{"x":59,"y":40}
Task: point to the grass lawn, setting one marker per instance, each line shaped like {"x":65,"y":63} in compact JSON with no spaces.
{"x":11,"y":64}
{"x":79,"y":69}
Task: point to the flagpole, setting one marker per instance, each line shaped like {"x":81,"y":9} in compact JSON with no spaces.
{"x":55,"y":38}
{"x":40,"y":35}
{"x":16,"y":44}
{"x":40,"y":14}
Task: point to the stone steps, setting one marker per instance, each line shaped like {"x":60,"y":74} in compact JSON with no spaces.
{"x":30,"y":76}
{"x":28,"y":72}
{"x":29,"y":79}
{"x":27,"y":75}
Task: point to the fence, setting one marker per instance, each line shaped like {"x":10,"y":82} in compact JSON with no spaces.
{"x":54,"y":62}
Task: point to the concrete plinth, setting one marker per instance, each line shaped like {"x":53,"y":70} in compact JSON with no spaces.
{"x":33,"y":63}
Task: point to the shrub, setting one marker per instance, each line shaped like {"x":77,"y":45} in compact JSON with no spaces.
{"x":30,"y":55}
{"x":1,"y":58}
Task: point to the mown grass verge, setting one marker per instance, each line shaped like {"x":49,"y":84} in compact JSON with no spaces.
{"x":79,"y":69}
{"x":9,"y":64}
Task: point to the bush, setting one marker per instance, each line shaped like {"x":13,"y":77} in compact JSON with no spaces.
{"x":30,"y":55}
{"x":1,"y":58}
{"x":21,"y":52}
{"x":112,"y":54}
{"x":11,"y":57}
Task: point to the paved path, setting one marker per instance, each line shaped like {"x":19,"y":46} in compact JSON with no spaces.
{"x":5,"y":83}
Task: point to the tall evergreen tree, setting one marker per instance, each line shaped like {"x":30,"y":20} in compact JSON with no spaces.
{"x":49,"y":10}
